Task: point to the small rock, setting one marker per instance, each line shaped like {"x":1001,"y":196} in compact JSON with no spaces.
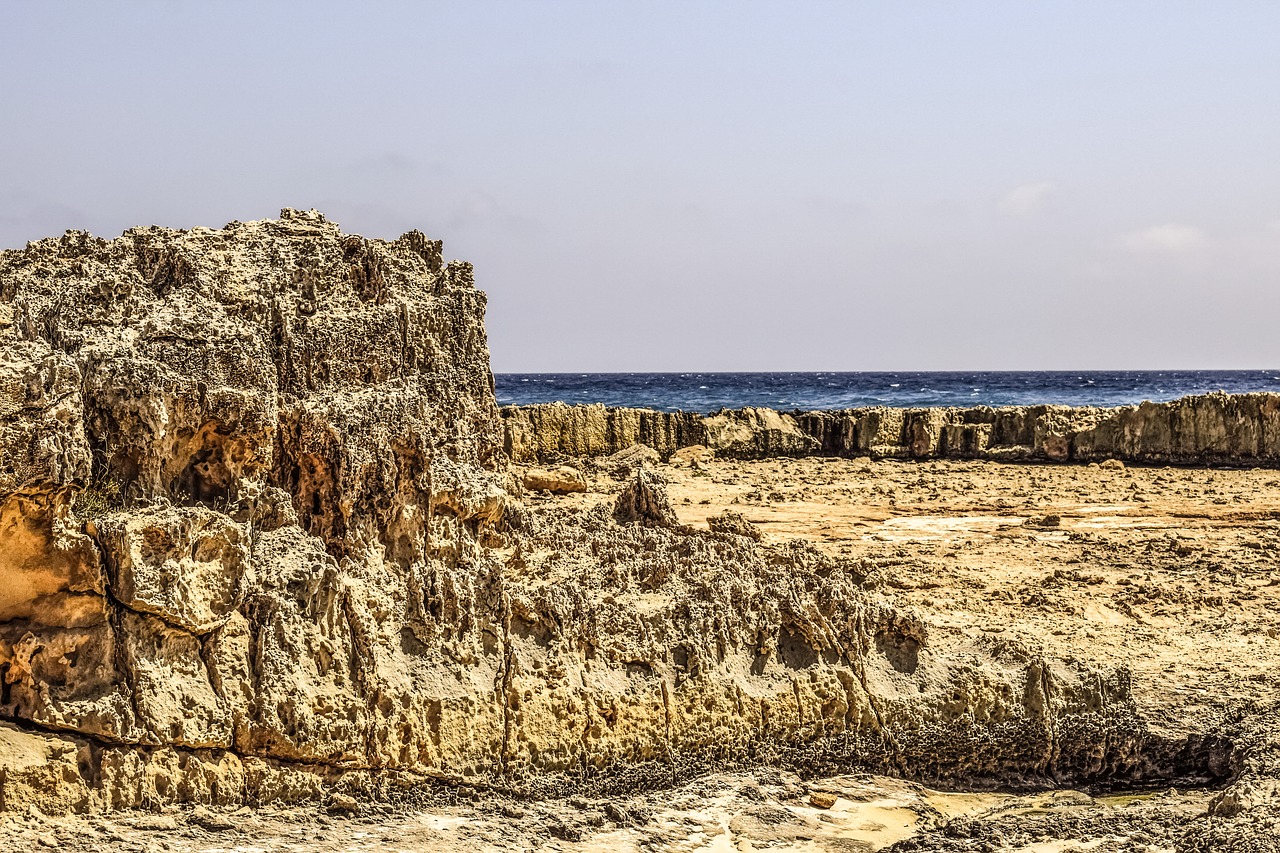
{"x":343,"y":804}
{"x":695,"y":456}
{"x":211,"y":820}
{"x":1111,"y":465}
{"x":627,"y":816}
{"x":822,"y":799}
{"x":622,"y":463}
{"x":735,"y":523}
{"x":558,"y":481}
{"x":565,"y":831}
{"x":511,"y":810}
{"x":1069,"y":797}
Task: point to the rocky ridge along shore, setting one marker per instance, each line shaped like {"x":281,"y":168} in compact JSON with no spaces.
{"x":263,"y":544}
{"x":1205,"y":429}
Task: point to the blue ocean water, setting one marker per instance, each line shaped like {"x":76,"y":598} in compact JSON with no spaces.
{"x":707,"y":392}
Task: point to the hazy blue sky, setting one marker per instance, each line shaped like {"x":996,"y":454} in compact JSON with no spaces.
{"x":707,"y":186}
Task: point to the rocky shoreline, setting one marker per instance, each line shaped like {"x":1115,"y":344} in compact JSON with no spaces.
{"x":268,"y":539}
{"x":1206,"y":429}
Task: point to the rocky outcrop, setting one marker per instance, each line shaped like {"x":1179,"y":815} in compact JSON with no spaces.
{"x":735,"y":523}
{"x":553,"y":430}
{"x":644,"y":500}
{"x":559,"y":481}
{"x":235,"y":465}
{"x":257,"y":544}
{"x":1209,"y":429}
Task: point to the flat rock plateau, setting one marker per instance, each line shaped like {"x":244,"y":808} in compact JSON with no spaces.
{"x":278,"y":574}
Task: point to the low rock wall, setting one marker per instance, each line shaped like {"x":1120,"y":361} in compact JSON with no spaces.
{"x":1207,"y":429}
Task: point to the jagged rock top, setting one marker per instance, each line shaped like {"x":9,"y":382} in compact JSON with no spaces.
{"x":205,"y":365}
{"x":164,"y":289}
{"x":169,"y":331}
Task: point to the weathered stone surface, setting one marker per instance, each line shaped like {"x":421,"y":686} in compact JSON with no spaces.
{"x":257,"y":545}
{"x":694,"y":455}
{"x":735,"y":523}
{"x":623,"y":463}
{"x":1208,"y":429}
{"x":644,"y":500}
{"x":561,"y":480}
{"x":270,"y":432}
{"x":41,"y":770}
{"x":756,"y":433}
{"x":42,"y":437}
{"x":187,"y":565}
{"x":536,"y":433}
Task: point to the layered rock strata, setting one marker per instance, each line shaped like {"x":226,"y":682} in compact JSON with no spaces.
{"x":1208,"y":429}
{"x":256,"y":543}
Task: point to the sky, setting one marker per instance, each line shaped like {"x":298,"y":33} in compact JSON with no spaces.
{"x":707,"y":186}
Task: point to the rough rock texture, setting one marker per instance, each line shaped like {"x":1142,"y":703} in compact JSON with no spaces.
{"x":256,"y":545}
{"x":561,"y":480}
{"x":644,"y":500}
{"x":549,"y":431}
{"x":626,"y":461}
{"x":735,"y":523}
{"x":1209,"y":429}
{"x":236,"y":466}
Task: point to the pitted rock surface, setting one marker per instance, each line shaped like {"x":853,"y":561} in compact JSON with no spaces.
{"x":257,"y":547}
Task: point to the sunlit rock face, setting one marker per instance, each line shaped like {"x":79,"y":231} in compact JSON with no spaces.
{"x":1205,"y":429}
{"x":256,"y":542}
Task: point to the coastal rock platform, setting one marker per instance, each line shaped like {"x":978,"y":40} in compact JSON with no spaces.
{"x":1205,"y":429}
{"x":271,"y":551}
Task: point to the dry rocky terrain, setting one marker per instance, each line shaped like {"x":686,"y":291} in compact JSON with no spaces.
{"x":278,"y":574}
{"x":1170,"y":572}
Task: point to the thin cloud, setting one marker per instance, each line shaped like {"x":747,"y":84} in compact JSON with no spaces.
{"x":479,"y":210}
{"x":1026,"y":200}
{"x":24,"y":216}
{"x":1169,"y":239}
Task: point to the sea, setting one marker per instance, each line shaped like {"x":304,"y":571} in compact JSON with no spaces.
{"x":708,"y":392}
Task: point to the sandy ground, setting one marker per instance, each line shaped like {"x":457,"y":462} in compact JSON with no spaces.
{"x":1173,"y":572}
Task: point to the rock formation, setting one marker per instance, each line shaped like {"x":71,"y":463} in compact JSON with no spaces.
{"x":1209,"y":429}
{"x":735,"y":523}
{"x":241,"y":469}
{"x":256,"y":543}
{"x":644,"y":500}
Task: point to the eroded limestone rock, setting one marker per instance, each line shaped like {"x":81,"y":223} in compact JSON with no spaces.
{"x":1207,"y":429}
{"x":562,"y":480}
{"x":644,"y":500}
{"x":735,"y":523}
{"x":257,"y":545}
